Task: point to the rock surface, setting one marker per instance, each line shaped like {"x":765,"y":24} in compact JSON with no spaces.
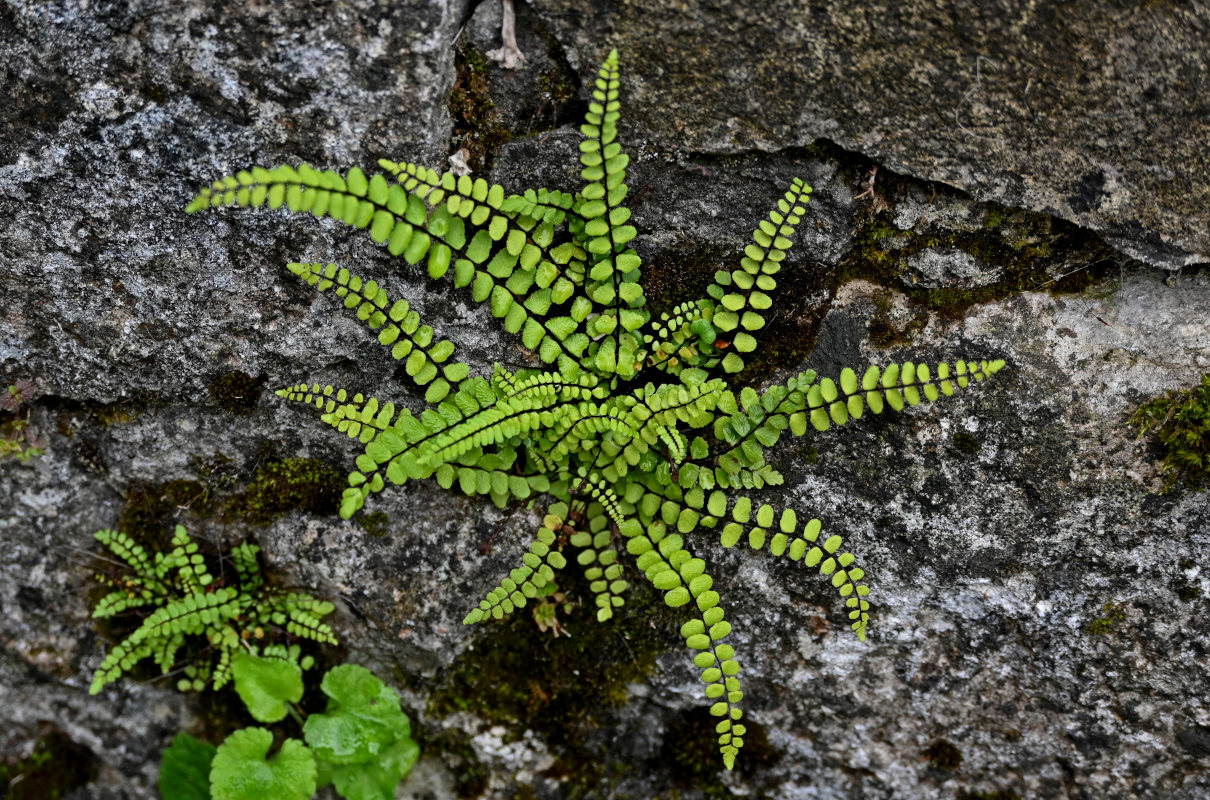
{"x":1041,"y":611}
{"x":1094,"y":112}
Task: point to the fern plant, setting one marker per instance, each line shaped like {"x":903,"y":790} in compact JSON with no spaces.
{"x":243,"y":614}
{"x":632,"y":438}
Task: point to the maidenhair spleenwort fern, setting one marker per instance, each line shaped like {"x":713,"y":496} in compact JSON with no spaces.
{"x":231,"y":614}
{"x":632,"y":437}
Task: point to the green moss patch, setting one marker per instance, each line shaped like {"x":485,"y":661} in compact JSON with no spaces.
{"x":586,"y":675}
{"x":884,"y":332}
{"x":283,"y":485}
{"x":375,"y":523}
{"x":278,"y":486}
{"x":1180,"y":422}
{"x":966,"y":443}
{"x":1113,"y":614}
{"x":152,"y":509}
{"x":478,"y":126}
{"x":1032,"y":252}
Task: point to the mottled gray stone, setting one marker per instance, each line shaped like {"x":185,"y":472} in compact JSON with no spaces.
{"x":935,"y":268}
{"x":1095,"y":112}
{"x":990,"y":554}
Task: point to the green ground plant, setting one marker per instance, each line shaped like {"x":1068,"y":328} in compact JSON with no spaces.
{"x":210,"y":619}
{"x":636,"y":435}
{"x":361,"y":743}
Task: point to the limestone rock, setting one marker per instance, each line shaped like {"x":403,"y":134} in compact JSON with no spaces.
{"x":1040,"y":609}
{"x":1094,"y":112}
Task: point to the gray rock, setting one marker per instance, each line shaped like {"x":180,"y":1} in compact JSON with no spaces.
{"x":1092,"y":112}
{"x":1040,"y":608}
{"x":935,"y":268}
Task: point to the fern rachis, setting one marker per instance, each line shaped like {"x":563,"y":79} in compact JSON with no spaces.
{"x":634,"y":432}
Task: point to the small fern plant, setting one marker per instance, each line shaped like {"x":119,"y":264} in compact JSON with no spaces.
{"x":230,"y":616}
{"x":633,"y":437}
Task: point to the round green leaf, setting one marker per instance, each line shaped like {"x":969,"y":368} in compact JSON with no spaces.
{"x":243,"y":770}
{"x":378,"y":778}
{"x":362,"y":719}
{"x":267,"y":685}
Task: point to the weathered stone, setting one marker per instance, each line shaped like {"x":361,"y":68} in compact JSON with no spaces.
{"x":1094,"y":112}
{"x":997,"y":527}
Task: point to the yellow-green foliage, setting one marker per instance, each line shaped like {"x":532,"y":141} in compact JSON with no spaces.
{"x":231,"y":614}
{"x":634,"y":434}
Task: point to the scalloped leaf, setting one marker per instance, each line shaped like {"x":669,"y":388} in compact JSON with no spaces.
{"x":362,"y":720}
{"x":267,"y":685}
{"x":243,"y":769}
{"x":377,"y":778}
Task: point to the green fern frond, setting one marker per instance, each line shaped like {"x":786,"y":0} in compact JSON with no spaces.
{"x":418,"y":224}
{"x":188,"y":602}
{"x":614,"y":267}
{"x":829,"y":403}
{"x":303,"y":616}
{"x":398,"y":326}
{"x":134,"y":555}
{"x":672,"y":569}
{"x":190,"y":614}
{"x":620,"y":458}
{"x":681,"y":337}
{"x":741,"y":295}
{"x":785,"y":537}
{"x":247,"y":568}
{"x":597,"y":557}
{"x":526,"y":581}
{"x":118,"y":602}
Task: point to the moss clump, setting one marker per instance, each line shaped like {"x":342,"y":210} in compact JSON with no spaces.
{"x":1181,"y":422}
{"x":375,"y":523}
{"x":237,"y":392}
{"x":943,"y":755}
{"x":152,"y":509}
{"x":1031,"y":251}
{"x":993,"y":794}
{"x":557,"y":85}
{"x":1081,"y":257}
{"x":283,"y":485}
{"x":218,"y":473}
{"x":586,"y":674}
{"x":884,"y":332}
{"x":682,"y":272}
{"x":73,"y":416}
{"x":277,"y":487}
{"x":478,"y":125}
{"x":966,"y":443}
{"x":1113,"y":615}
{"x":56,"y":766}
